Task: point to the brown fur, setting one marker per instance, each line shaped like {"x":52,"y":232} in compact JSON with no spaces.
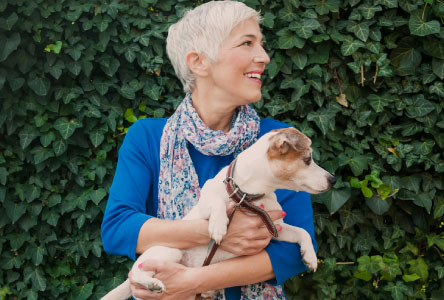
{"x":287,"y":147}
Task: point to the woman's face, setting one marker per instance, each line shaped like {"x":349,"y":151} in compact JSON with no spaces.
{"x":236,"y":74}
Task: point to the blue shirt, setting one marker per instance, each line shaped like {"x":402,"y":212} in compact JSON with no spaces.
{"x":133,"y":198}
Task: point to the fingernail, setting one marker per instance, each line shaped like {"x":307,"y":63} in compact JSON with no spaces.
{"x":140,"y":266}
{"x":284,"y":214}
{"x":262,"y":206}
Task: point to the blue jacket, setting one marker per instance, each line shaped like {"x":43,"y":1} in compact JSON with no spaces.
{"x":133,"y":198}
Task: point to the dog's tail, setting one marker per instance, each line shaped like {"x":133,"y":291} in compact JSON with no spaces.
{"x":121,"y":292}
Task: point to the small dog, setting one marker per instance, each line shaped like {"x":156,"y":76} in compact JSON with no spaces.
{"x":281,"y":159}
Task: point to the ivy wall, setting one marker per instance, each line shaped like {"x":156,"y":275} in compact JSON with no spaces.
{"x":363,"y":79}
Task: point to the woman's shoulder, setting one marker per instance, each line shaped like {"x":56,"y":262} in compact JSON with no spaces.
{"x":150,"y":126}
{"x":268,"y":124}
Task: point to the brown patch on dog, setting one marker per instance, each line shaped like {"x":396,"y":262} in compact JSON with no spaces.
{"x":287,"y":150}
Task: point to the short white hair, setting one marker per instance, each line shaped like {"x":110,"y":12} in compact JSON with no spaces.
{"x":203,"y":30}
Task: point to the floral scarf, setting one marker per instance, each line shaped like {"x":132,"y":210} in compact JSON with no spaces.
{"x":179,"y":187}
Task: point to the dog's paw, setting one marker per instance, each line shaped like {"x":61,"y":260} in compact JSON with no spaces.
{"x":146,"y":279}
{"x":309,"y":257}
{"x":209,"y":294}
{"x":155,"y":285}
{"x":217,"y":228}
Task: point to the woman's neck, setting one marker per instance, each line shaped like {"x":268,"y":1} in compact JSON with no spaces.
{"x":216,"y":114}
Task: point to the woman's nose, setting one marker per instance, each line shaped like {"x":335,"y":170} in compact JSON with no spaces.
{"x":261,"y":56}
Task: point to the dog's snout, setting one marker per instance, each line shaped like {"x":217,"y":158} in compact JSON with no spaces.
{"x":331,"y":180}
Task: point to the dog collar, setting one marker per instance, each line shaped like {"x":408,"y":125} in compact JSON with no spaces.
{"x":243,"y":199}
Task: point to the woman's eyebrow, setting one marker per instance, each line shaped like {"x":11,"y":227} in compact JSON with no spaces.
{"x":252,"y":36}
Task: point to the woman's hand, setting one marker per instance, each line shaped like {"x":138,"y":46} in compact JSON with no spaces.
{"x":180,"y":281}
{"x":247,"y":235}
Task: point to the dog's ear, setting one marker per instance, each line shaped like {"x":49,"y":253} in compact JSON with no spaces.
{"x":288,"y":139}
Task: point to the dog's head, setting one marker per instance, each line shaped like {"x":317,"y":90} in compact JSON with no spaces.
{"x":290,"y":158}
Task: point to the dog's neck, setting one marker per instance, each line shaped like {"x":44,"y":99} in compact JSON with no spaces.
{"x":252,"y":173}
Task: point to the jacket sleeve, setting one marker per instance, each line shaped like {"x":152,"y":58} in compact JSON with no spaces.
{"x":286,"y":257}
{"x":126,"y":209}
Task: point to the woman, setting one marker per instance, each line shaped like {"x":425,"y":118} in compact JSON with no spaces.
{"x":216,"y":50}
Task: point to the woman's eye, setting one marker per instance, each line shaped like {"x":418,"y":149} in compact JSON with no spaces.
{"x":247,"y":43}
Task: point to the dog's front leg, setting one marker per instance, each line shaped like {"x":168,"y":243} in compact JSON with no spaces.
{"x":299,"y":235}
{"x":212,"y":206}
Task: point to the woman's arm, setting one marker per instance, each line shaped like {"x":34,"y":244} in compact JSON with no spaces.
{"x":182,"y":282}
{"x":246,"y":235}
{"x":179,"y":234}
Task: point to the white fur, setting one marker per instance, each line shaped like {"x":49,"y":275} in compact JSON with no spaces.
{"x":253,"y":174}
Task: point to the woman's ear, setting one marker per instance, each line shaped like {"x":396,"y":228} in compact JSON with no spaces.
{"x":197,"y":63}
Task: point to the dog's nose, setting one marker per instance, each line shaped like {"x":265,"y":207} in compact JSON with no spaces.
{"x":332,"y":180}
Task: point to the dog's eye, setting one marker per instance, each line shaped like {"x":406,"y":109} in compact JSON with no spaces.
{"x":307,"y":160}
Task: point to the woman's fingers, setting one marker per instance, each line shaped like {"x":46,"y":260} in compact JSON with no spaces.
{"x":140,"y":292}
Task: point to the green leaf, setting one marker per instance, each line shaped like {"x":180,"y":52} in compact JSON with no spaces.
{"x":159,"y":112}
{"x":418,"y":26}
{"x":324,"y":7}
{"x":268,"y":19}
{"x":387,"y":3}
{"x":60,"y":146}
{"x":129,"y":115}
{"x":40,"y":85}
{"x":424,"y":200}
{"x":392,"y":268}
{"x":334,"y":199}
{"x":41,"y":154}
{"x":411,"y":183}
{"x":10,"y":261}
{"x":435,"y":239}
{"x":359,"y":29}
{"x":304,"y":28}
{"x":97,"y":195}
{"x":83,"y":292}
{"x":3,"y":179}
{"x":419,"y":267}
{"x":152,"y":90}
{"x":357,"y":163}
{"x":127,"y":92}
{"x":397,"y":290}
{"x":368,"y":11}
{"x":378,"y":102}
{"x":378,"y":205}
{"x":438,"y":207}
{"x":350,"y":45}
{"x":109,"y":64}
{"x":14,"y":210}
{"x":366,"y":192}
{"x":420,"y":107}
{"x":9,"y":45}
{"x":53,"y":200}
{"x":434,"y":47}
{"x":27,"y":135}
{"x":96,"y":137}
{"x":101,"y":87}
{"x":323,"y":118}
{"x":37,"y":253}
{"x":9,"y":22}
{"x":37,"y":278}
{"x":363,"y":274}
{"x":406,"y":57}
{"x":66,"y":127}
{"x":423,"y":147}
{"x":438,"y":67}
{"x":47,"y":138}
{"x":287,"y":39}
